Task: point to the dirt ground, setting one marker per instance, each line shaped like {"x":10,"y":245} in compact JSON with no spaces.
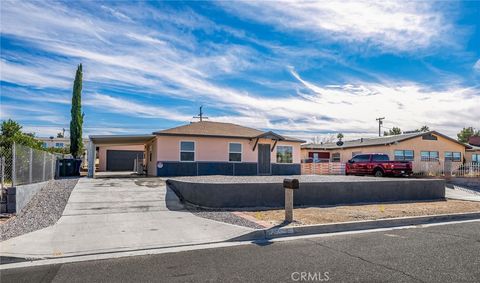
{"x":345,"y":213}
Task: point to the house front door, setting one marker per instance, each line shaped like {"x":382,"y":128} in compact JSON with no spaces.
{"x":264,"y":159}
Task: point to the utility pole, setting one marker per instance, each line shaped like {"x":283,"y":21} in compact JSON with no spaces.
{"x":380,"y":123}
{"x":200,"y":115}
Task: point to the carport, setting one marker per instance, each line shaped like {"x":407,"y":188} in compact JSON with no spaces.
{"x":121,"y":156}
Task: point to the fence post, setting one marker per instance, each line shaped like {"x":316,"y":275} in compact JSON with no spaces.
{"x":44,"y":164}
{"x":53,"y":158}
{"x":30,"y":167}
{"x":2,"y":159}
{"x":14,"y":165}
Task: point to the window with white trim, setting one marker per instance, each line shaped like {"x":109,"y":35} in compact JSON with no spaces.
{"x":235,"y":152}
{"x":59,"y":145}
{"x":187,"y":151}
{"x":284,"y":154}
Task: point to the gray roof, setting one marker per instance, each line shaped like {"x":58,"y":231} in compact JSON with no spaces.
{"x":218,"y":129}
{"x":386,"y":140}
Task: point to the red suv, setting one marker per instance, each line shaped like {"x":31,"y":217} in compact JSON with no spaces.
{"x":377,"y":164}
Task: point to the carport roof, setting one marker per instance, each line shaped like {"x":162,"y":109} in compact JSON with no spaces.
{"x":120,"y":139}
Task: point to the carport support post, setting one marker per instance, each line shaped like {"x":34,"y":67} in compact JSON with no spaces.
{"x":289,"y":185}
{"x":91,"y":159}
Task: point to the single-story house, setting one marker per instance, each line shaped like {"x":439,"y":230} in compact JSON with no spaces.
{"x":417,"y":147}
{"x":203,"y":148}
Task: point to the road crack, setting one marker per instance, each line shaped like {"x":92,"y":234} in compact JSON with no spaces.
{"x":367,"y":261}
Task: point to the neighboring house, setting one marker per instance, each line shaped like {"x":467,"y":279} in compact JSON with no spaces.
{"x":211,"y":148}
{"x":419,"y":148}
{"x":473,"y":153}
{"x":52,"y":142}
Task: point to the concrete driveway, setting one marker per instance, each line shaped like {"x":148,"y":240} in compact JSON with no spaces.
{"x":110,"y":215}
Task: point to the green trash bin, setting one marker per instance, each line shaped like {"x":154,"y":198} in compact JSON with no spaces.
{"x":69,"y":167}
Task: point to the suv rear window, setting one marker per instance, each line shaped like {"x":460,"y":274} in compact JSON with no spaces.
{"x":380,"y":157}
{"x":362,"y":158}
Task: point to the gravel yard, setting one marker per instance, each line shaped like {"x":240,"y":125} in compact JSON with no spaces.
{"x":42,"y":211}
{"x":345,"y":213}
{"x":224,"y":216}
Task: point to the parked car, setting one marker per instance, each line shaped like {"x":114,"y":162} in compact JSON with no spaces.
{"x":377,"y":164}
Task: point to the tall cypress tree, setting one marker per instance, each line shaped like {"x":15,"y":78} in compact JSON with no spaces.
{"x":76,"y":123}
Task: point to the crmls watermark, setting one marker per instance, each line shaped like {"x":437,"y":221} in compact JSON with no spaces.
{"x":310,"y":276}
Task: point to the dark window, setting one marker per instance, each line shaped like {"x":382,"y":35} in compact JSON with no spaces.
{"x":362,"y":158}
{"x":380,"y":157}
{"x":401,"y":155}
{"x":355,"y":153}
{"x":453,"y":156}
{"x":429,"y":137}
{"x":476,"y":158}
{"x":187,"y":151}
{"x":235,"y":152}
{"x":429,"y":155}
{"x":336,"y":157}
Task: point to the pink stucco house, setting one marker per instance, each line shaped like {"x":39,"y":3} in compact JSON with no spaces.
{"x":203,"y":148}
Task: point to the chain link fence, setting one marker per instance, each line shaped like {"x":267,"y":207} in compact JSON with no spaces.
{"x":21,"y":165}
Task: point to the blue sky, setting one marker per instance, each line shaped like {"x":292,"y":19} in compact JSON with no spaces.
{"x":301,"y":68}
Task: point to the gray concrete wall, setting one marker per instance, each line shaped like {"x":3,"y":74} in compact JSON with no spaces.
{"x":19,"y":196}
{"x":313,"y":193}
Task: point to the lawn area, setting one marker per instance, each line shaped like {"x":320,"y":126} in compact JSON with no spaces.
{"x":345,"y":213}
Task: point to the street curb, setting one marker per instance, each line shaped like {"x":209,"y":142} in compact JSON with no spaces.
{"x":279,"y":232}
{"x":258,"y":237}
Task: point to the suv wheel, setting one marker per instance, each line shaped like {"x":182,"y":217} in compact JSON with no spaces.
{"x":378,"y":173}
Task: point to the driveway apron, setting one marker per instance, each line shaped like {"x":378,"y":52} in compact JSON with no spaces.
{"x":112,"y":215}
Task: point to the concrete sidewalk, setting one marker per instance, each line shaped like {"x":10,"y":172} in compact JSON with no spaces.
{"x":460,"y":193}
{"x":111,"y":215}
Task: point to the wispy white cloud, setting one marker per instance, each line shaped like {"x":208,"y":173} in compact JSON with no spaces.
{"x":130,"y":108}
{"x":476,"y":67}
{"x":390,"y":25}
{"x":26,"y":74}
{"x":145,"y":64}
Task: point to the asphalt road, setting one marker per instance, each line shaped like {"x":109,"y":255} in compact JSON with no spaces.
{"x":447,"y":253}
